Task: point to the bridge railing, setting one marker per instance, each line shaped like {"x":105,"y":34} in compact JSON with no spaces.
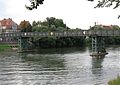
{"x":110,"y":33}
{"x":67,"y":33}
{"x":63,"y":34}
{"x":102,"y":32}
{"x":43,"y":34}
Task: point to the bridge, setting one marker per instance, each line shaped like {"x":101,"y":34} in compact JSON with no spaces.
{"x":98,"y":44}
{"x":101,"y":33}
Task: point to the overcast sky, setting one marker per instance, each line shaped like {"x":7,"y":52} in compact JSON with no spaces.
{"x":75,"y":13}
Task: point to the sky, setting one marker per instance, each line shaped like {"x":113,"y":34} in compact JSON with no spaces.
{"x":75,"y":13}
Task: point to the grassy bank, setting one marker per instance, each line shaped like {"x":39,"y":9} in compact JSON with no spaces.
{"x":115,"y":81}
{"x":4,"y":47}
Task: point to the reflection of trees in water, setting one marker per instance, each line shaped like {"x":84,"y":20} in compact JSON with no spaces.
{"x":97,"y":66}
{"x":44,"y":68}
{"x":61,"y":50}
{"x":54,"y":62}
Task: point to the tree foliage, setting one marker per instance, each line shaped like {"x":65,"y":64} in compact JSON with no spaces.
{"x":100,"y":4}
{"x":25,"y":26}
{"x":50,"y":24}
{"x":34,"y":4}
{"x":108,"y":3}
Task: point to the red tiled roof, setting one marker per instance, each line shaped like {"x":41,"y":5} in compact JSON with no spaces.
{"x":107,"y":27}
{"x":7,"y":23}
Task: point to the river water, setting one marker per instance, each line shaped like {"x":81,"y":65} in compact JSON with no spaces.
{"x":70,"y":66}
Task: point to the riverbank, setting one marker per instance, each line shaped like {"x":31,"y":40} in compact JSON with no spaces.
{"x":115,"y":81}
{"x":4,"y":47}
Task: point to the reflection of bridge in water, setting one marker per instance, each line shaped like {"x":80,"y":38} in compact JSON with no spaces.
{"x":98,"y":44}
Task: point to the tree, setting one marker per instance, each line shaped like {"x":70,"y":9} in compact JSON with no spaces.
{"x":50,"y":21}
{"x":56,"y":24}
{"x":102,"y":3}
{"x":34,"y":23}
{"x":34,"y":4}
{"x":50,"y":24}
{"x":108,"y":3}
{"x":59,"y":23}
{"x":40,"y":29}
{"x":25,"y":26}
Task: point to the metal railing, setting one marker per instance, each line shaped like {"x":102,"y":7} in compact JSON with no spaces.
{"x":63,"y":34}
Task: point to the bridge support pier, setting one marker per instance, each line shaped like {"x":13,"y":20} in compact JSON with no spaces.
{"x":98,"y":47}
{"x":23,"y":43}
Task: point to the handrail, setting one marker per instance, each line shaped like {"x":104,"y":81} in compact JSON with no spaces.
{"x":64,"y":33}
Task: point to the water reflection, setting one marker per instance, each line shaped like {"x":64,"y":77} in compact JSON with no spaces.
{"x":97,"y":63}
{"x":46,"y":68}
{"x":45,"y":61}
{"x":97,"y":69}
{"x":58,"y":67}
{"x":61,"y":50}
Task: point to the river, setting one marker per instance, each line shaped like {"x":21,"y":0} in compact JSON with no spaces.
{"x":70,"y":66}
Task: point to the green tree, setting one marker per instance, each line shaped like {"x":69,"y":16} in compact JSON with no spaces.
{"x":40,"y":29}
{"x":44,"y":23}
{"x":46,"y":42}
{"x":50,"y":24}
{"x":25,"y":26}
{"x":50,"y":21}
{"x":115,"y":27}
{"x":59,"y":23}
{"x":34,"y":23}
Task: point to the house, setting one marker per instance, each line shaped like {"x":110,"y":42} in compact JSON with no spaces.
{"x":107,"y":27}
{"x":8,"y":26}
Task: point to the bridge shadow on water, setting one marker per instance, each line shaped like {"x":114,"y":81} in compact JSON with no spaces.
{"x":60,"y":50}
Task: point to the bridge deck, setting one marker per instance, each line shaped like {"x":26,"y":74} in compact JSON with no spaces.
{"x":63,"y":34}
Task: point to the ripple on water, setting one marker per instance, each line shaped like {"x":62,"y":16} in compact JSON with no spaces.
{"x":74,"y":68}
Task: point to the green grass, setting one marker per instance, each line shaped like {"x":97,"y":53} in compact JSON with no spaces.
{"x":4,"y":47}
{"x":115,"y":81}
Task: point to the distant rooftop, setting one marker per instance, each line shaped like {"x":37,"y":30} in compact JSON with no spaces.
{"x":8,"y":24}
